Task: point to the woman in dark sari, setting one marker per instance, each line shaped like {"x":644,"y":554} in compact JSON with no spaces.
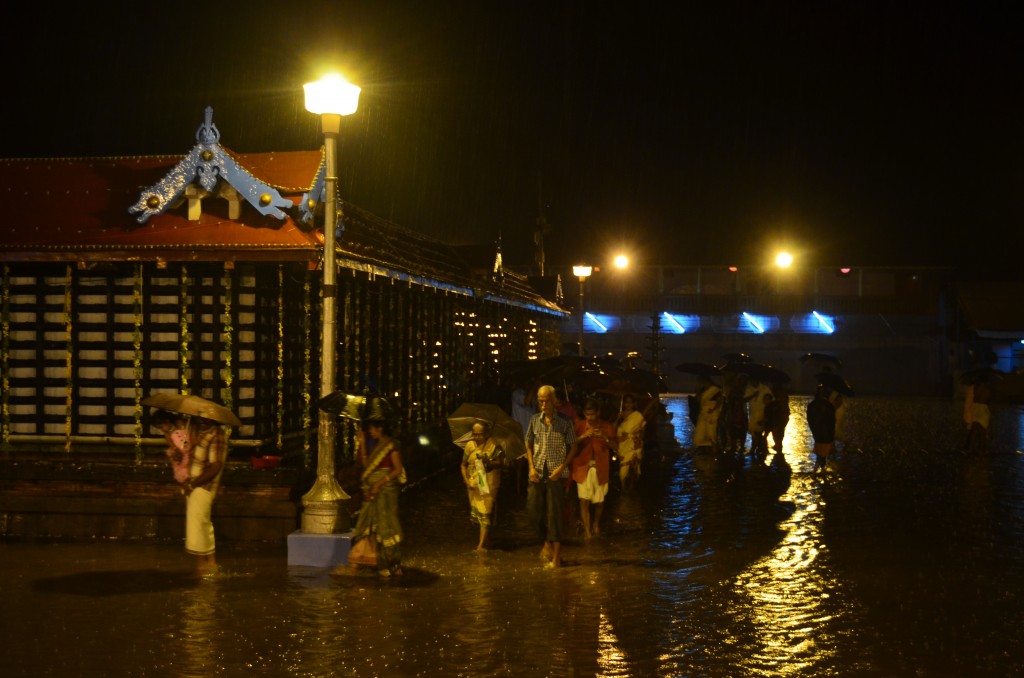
{"x":378,"y":533}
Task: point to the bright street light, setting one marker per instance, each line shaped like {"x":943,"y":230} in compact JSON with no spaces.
{"x":783,"y":259}
{"x":330,"y":98}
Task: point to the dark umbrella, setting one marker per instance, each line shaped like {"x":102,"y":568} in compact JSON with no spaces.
{"x":981,"y":375}
{"x":835,"y":382}
{"x":605,"y":362}
{"x":637,"y":381}
{"x":592,"y":380}
{"x":357,"y":407}
{"x":699,"y":369}
{"x":821,"y":358}
{"x":762,"y":373}
{"x":552,"y":370}
{"x":347,"y":405}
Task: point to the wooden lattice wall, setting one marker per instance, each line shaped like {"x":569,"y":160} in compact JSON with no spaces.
{"x":82,"y":345}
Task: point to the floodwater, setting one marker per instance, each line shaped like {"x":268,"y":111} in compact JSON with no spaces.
{"x":905,"y":558}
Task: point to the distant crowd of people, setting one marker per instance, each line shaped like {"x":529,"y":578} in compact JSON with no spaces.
{"x":724,"y":416}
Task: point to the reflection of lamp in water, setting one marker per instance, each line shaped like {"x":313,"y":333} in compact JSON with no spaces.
{"x":330,"y":98}
{"x":581,"y":272}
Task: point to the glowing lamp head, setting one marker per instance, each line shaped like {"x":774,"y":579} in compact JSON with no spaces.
{"x":621,"y":261}
{"x":582,"y":271}
{"x":783,"y":259}
{"x":331,"y":94}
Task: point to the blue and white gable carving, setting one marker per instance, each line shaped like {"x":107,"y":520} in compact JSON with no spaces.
{"x":317,"y":195}
{"x":209,"y":170}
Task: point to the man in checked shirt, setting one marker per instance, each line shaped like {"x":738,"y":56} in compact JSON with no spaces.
{"x":550,"y":447}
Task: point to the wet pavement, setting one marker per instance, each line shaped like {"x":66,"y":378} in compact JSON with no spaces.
{"x":905,"y":558}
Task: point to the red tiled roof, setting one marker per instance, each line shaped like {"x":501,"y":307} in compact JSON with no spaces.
{"x":74,"y":209}
{"x":80,"y":205}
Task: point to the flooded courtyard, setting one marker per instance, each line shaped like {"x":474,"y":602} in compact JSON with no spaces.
{"x":905,"y":558}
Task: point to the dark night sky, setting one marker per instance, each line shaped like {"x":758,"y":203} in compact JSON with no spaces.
{"x":858,"y":132}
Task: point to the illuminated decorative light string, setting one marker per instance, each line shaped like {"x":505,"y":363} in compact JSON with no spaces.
{"x":307,"y":372}
{"x":227,"y":336}
{"x":183,"y":345}
{"x":280,"y":357}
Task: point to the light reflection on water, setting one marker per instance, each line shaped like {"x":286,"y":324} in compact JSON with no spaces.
{"x":710,"y":568}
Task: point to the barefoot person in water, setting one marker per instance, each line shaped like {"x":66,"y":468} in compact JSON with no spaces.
{"x":550,"y":448}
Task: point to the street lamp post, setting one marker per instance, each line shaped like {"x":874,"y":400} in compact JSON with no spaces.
{"x":581,"y":272}
{"x":330,"y":98}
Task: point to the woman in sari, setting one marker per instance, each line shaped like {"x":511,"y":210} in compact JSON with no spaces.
{"x":630,"y":426}
{"x":378,"y":534}
{"x":481,"y":470}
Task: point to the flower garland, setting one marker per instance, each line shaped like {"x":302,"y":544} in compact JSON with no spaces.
{"x":280,"y":357}
{"x":137,"y":358}
{"x":307,"y":380}
{"x":5,"y":352}
{"x":183,"y":365}
{"x":68,"y":360}
{"x":227,"y":375}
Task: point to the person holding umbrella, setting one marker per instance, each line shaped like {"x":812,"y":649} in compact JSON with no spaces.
{"x":482,"y":462}
{"x":709,"y":402}
{"x":208,"y":440}
{"x":821,"y":419}
{"x":378,"y":533}
{"x":630,"y":427}
{"x":209,"y":452}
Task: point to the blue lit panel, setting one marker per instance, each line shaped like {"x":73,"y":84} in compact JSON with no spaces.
{"x":757,"y":324}
{"x":828,"y":323}
{"x":813,"y":323}
{"x":679,"y":324}
{"x":596,"y":322}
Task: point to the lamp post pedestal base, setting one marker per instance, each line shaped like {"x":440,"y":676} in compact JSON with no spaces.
{"x":321,"y":508}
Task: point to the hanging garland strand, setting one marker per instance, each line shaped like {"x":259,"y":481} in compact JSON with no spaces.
{"x":227,"y":335}
{"x":183,"y":346}
{"x":68,"y":360}
{"x":5,"y":352}
{"x":137,"y":358}
{"x":307,"y":380}
{"x":280,"y":358}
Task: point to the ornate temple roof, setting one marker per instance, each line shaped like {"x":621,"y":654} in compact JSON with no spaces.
{"x":214,"y":204}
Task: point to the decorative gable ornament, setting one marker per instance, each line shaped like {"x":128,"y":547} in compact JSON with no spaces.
{"x":207,"y":168}
{"x":315,"y":197}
